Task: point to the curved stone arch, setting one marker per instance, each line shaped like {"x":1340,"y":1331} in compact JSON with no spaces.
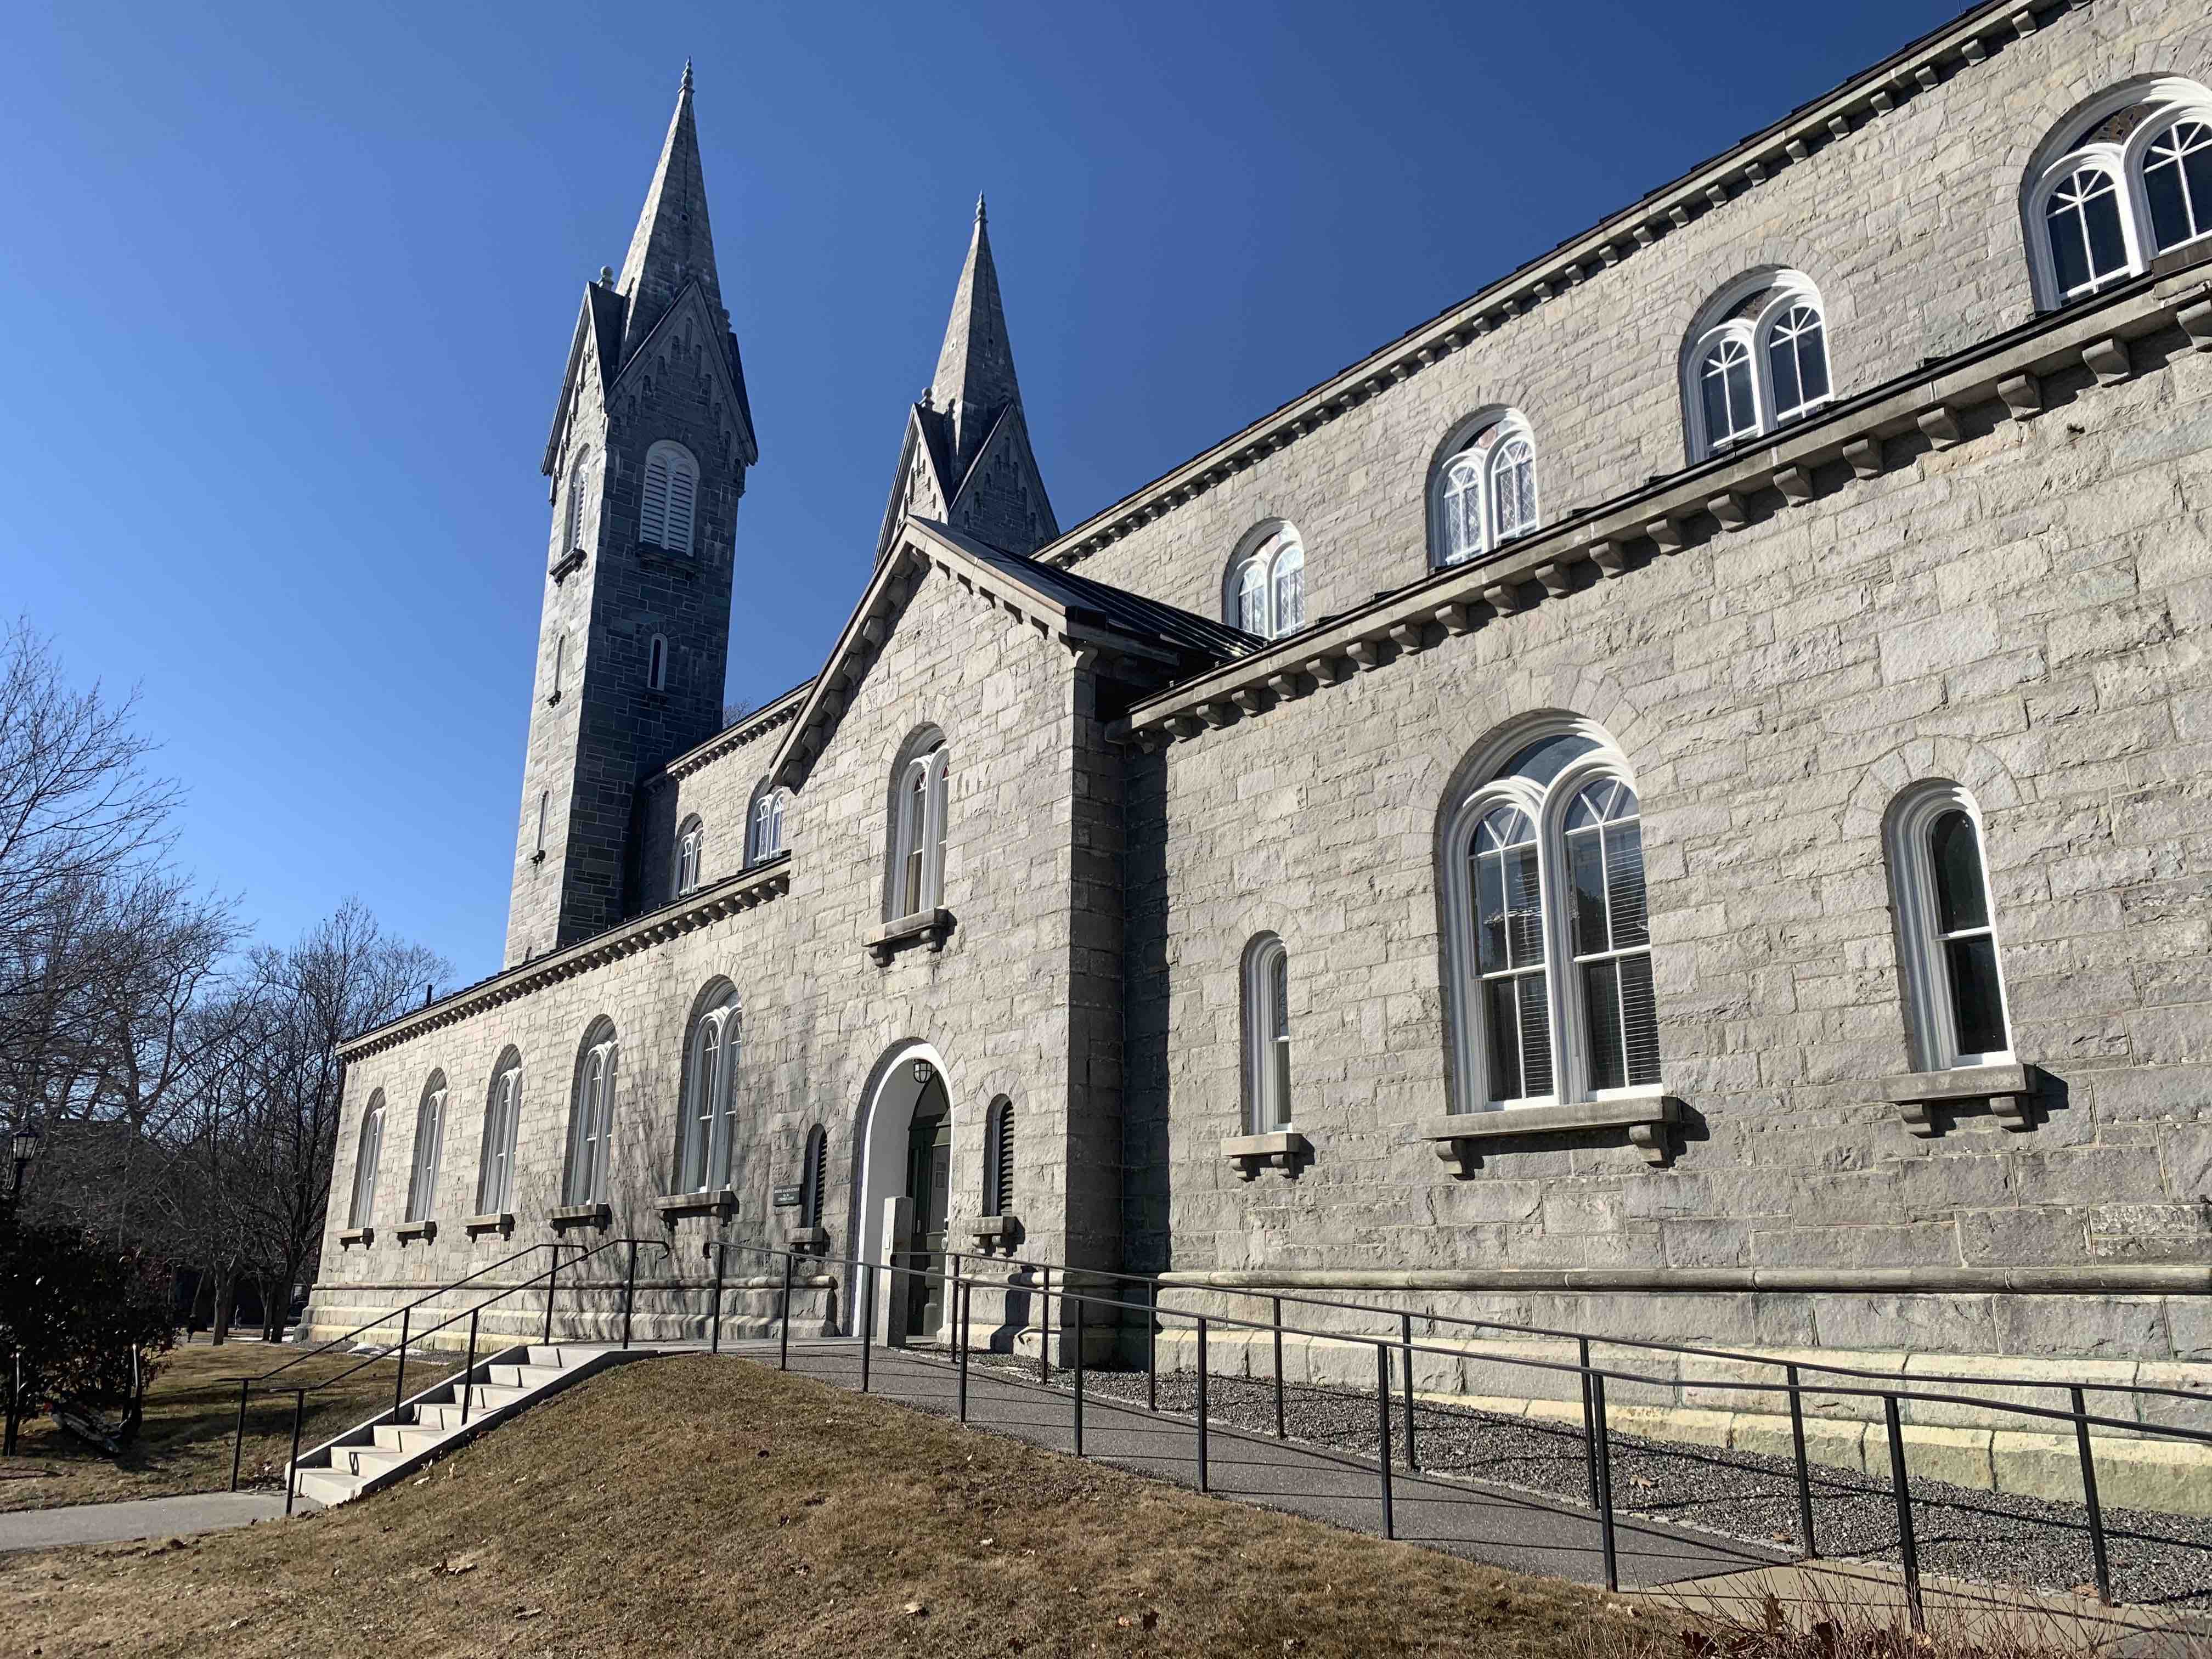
{"x":881,"y":1114}
{"x":1971,"y":765}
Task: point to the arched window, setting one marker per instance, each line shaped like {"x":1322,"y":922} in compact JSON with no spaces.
{"x":656,"y":664}
{"x":1954,"y":990}
{"x":592,"y":1119}
{"x":1266,"y":1034}
{"x":998,"y":1158}
{"x":813,"y":1175}
{"x":2124,"y":178}
{"x":690,"y":844}
{"x":672,"y":487}
{"x":1551,"y":953}
{"x":702,"y":1153}
{"x":502,"y":1113}
{"x":1265,"y":593}
{"x":1757,"y":358}
{"x":370,"y":1149}
{"x":572,"y":518}
{"x":1483,"y":492}
{"x":765,"y":836}
{"x":918,"y":833}
{"x":429,"y":1141}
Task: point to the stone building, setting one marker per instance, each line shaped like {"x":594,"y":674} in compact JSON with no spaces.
{"x":1669,"y":800}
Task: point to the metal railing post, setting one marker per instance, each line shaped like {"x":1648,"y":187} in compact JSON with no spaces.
{"x":1382,"y":1435}
{"x":629,"y":1291}
{"x":715,"y":1321}
{"x":2089,"y":1499}
{"x":238,"y":1439}
{"x":1589,"y":1419}
{"x":970,"y":1292}
{"x":1152,"y":1351}
{"x":1281,"y":1432}
{"x":399,"y":1380}
{"x":1804,"y":1474}
{"x":783,"y":1325}
{"x":956,"y":1308}
{"x":1605,"y":1486}
{"x":1907,"y":1549}
{"x":1202,"y":1482}
{"x":469,"y":1370}
{"x":1078,"y":1376}
{"x":292,"y":1468}
{"x":552,"y":1285}
{"x":1044,"y":1328}
{"x":867,"y":1318}
{"x":1406,"y":1341}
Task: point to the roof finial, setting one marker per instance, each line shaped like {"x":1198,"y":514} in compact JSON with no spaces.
{"x":686,"y":86}
{"x":979,"y":207}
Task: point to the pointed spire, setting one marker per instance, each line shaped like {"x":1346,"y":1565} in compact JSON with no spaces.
{"x":974,"y":380}
{"x":674,"y":244}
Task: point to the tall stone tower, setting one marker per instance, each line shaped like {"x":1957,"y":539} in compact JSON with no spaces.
{"x":647,"y":459}
{"x":967,"y":460}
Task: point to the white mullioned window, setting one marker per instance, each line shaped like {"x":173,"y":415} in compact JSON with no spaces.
{"x":1550,"y":946}
{"x":2125,"y":178}
{"x":592,"y":1119}
{"x":669,"y":498}
{"x":703,"y":1159}
{"x":1483,"y":491}
{"x":691,"y":847}
{"x":1954,"y":993}
{"x":429,"y":1143}
{"x":1757,"y":359}
{"x":918,"y":829}
{"x":998,"y":1158}
{"x":367,"y":1153}
{"x":503,"y":1115}
{"x":1265,"y":593}
{"x":1266,"y":1001}
{"x":767,"y":832}
{"x":572,"y":517}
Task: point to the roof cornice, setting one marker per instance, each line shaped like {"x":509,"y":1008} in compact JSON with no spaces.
{"x":735,"y":736}
{"x":1966,"y":41}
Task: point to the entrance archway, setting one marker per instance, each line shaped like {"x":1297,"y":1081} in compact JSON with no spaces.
{"x":884,"y":1142}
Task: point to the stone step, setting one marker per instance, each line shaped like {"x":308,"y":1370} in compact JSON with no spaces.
{"x":443,"y":1418}
{"x":526,"y":1377}
{"x":567,"y":1355}
{"x":365,"y":1462}
{"x":391,"y":1437}
{"x":490,"y":1397}
{"x":327,"y":1486}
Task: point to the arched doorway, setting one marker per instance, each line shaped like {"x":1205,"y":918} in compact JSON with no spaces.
{"x":906,"y":1151}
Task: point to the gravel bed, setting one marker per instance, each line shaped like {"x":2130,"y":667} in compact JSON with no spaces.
{"x":1961,"y":1532}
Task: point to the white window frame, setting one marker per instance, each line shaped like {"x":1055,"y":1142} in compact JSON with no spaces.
{"x":429,"y":1147}
{"x":592,"y":1119}
{"x":919,"y":882}
{"x":1546,"y":806}
{"x":1779,"y":293}
{"x":1463,"y":488}
{"x":1931,"y":1018}
{"x":765,"y":823}
{"x":656,"y":664}
{"x":368,"y":1151}
{"x":715,"y":1049}
{"x":502,"y":1117}
{"x":2174,"y":100}
{"x":690,"y":853}
{"x":1267,"y":1014}
{"x":1252,"y":590}
{"x":668,"y":498}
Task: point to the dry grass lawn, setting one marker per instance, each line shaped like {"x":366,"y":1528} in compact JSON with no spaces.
{"x":191,"y":1410}
{"x":695,"y":1506}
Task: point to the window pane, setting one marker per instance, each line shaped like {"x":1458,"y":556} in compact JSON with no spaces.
{"x":1524,"y":921}
{"x":2069,"y":255}
{"x":1545,"y":758}
{"x":1586,"y":880}
{"x":1536,"y":1036}
{"x":1976,"y":1002}
{"x":1782,"y":369}
{"x":2107,"y":246}
{"x":1289,"y":591}
{"x":1280,"y":974}
{"x":2177,"y":181}
{"x":1601,"y":1020}
{"x":1504,"y":1033}
{"x":1639,"y":1018}
{"x":1623,"y":876}
{"x":1489,"y":912}
{"x":1252,"y":599}
{"x":1740,"y":406}
{"x":1812,"y":360}
{"x":1714,"y":386}
{"x":1956,"y":853}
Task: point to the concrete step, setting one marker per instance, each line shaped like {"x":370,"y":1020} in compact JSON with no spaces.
{"x":569,"y":1355}
{"x":443,"y":1418}
{"x":365,"y":1462}
{"x":526,"y":1377}
{"x":490,"y":1397}
{"x":327,"y":1486}
{"x":411,"y":1441}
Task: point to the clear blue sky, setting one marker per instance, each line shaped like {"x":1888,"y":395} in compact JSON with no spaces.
{"x":288,"y":292}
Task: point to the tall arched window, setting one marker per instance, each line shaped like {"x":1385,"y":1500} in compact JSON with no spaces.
{"x":1551,"y":953}
{"x":592,"y":1119}
{"x":998,"y":1158}
{"x":765,"y":836}
{"x":367,"y":1154}
{"x":691,"y":846}
{"x":2122,"y":179}
{"x":918,"y":833}
{"x":1266,"y":1001}
{"x":671,"y":488}
{"x":703,"y":1157}
{"x":1483,"y":492}
{"x":813,"y":1176}
{"x":1954,"y":990}
{"x":1756,"y":359}
{"x":1265,"y":591}
{"x":502,"y":1114}
{"x":572,"y":518}
{"x":429,"y":1142}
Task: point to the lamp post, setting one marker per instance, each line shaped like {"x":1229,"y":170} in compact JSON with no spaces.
{"x":24,"y":1146}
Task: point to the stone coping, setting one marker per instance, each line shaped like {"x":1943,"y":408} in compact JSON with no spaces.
{"x":2144,"y":1278}
{"x":777,"y":711}
{"x":720,"y":1201}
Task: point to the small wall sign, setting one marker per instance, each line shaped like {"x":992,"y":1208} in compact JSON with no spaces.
{"x":787,"y":1198}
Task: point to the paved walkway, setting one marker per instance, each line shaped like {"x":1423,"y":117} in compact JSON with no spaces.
{"x":139,"y":1517}
{"x":1483,"y":1524}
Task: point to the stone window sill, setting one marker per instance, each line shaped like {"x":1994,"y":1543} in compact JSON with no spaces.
{"x":995,"y":1230}
{"x":579,"y":1215}
{"x":1283,"y":1148}
{"x":2009,"y":1090}
{"x":811,"y":1239}
{"x":477,"y":1226}
{"x":656,"y":557}
{"x":720,"y":1201}
{"x":363,"y":1237}
{"x":931,"y":926}
{"x":425,"y":1230}
{"x":567,"y":565}
{"x":1460,"y":1137}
